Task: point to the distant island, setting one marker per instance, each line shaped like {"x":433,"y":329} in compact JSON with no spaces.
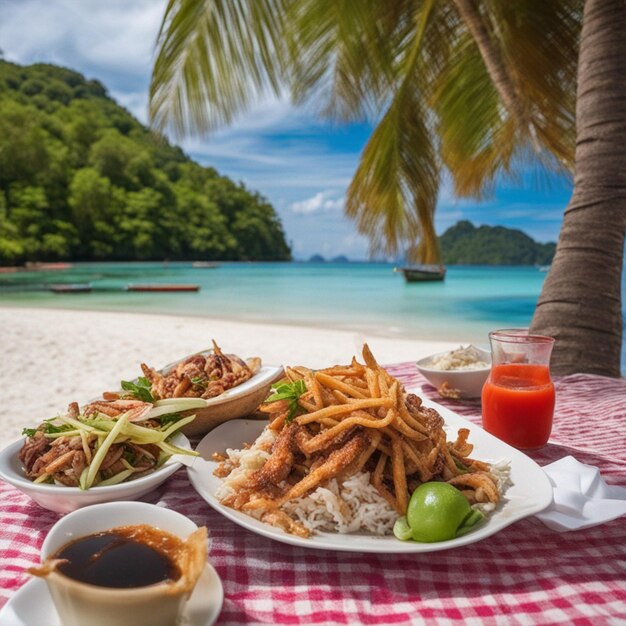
{"x":318,"y":258}
{"x":466,"y":244}
{"x":81,"y":179}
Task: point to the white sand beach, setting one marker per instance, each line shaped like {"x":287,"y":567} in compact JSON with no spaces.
{"x":51,"y":357}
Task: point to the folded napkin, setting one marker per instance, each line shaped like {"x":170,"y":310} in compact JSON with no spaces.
{"x":581,"y":498}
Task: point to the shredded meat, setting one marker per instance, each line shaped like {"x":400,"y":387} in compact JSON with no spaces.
{"x":199,"y":376}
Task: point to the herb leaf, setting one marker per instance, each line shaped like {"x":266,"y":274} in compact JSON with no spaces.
{"x":288,"y":391}
{"x":201,"y":381}
{"x":47,"y":428}
{"x":169,"y":418}
{"x":460,"y":466}
{"x":140,"y":389}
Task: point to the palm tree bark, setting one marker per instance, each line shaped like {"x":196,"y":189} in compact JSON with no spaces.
{"x":580,"y":303}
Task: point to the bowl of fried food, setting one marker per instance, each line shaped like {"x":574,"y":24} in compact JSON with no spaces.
{"x":229,"y":386}
{"x":457,"y":374}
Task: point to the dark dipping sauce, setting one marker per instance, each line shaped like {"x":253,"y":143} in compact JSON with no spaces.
{"x":122,"y":558}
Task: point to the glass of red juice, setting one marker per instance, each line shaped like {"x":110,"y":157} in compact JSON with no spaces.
{"x":518,"y":396}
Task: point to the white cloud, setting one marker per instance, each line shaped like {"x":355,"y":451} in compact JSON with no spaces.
{"x":321,"y":201}
{"x":117,"y":35}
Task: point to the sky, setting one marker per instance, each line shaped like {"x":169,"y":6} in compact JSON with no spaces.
{"x":301,"y":163}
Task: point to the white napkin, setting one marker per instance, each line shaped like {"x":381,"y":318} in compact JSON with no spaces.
{"x":581,"y":498}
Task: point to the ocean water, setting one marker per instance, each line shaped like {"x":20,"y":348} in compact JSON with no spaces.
{"x":362,"y":297}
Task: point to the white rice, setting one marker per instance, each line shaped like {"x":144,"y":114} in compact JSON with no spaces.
{"x":345,"y":507}
{"x":501,"y":471}
{"x":348,"y":506}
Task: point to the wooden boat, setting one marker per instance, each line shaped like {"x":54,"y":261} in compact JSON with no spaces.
{"x":422,"y":273}
{"x":205,"y":265}
{"x":48,"y":266}
{"x":70,"y":288}
{"x":162,"y":287}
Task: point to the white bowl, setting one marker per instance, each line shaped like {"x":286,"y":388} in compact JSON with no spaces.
{"x":63,"y":499}
{"x":468,"y":383}
{"x":83,"y":603}
{"x":109,"y":515}
{"x":240,"y":401}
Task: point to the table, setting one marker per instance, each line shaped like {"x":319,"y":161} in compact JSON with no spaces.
{"x":527,"y":574}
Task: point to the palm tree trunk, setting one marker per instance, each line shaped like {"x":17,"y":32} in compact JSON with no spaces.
{"x":580,"y":303}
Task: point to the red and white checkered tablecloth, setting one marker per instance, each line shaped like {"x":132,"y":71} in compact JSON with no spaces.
{"x":527,"y":574}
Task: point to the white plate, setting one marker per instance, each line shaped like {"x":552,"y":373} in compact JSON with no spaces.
{"x":63,"y":499}
{"x":32,"y":604}
{"x":530,"y":492}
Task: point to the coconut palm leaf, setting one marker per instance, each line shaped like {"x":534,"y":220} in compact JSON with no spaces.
{"x":411,"y":66}
{"x":350,"y":56}
{"x":394,"y":191}
{"x":477,"y":134}
{"x":214,"y":59}
{"x":538,"y":40}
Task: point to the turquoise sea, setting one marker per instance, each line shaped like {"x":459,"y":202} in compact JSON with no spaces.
{"x":362,"y":297}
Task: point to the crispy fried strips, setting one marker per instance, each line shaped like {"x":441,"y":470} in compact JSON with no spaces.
{"x":353,"y":418}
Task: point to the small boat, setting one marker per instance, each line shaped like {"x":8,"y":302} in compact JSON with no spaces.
{"x":162,"y":287}
{"x":70,"y":288}
{"x":544,"y":268}
{"x":48,"y":266}
{"x":205,"y":265}
{"x":422,"y":273}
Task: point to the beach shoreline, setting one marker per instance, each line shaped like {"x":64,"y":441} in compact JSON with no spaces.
{"x":52,"y":356}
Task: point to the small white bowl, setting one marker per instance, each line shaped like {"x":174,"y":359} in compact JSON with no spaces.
{"x":468,"y":383}
{"x":63,"y":499}
{"x":82,"y":603}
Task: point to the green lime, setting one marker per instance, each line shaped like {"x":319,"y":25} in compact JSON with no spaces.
{"x":438,"y":511}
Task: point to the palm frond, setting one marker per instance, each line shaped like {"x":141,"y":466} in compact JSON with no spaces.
{"x":344,"y":53}
{"x":214,"y":58}
{"x":477,"y":135}
{"x":393,"y":194}
{"x":539,"y":41}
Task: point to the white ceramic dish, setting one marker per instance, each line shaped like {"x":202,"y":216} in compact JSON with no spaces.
{"x":469,"y":383}
{"x":530,"y":492}
{"x":63,"y":499}
{"x":32,"y":604}
{"x":239,"y":401}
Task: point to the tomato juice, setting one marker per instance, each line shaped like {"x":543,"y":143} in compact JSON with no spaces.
{"x":518,"y":404}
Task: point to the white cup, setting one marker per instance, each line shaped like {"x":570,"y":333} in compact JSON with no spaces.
{"x":80,"y":603}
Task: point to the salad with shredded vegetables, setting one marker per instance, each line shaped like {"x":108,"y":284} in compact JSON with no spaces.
{"x":108,"y":441}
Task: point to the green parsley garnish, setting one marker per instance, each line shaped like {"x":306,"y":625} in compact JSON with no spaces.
{"x":288,"y":391}
{"x":140,"y":389}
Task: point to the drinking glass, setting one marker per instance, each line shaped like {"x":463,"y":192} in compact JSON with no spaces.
{"x":518,"y":396}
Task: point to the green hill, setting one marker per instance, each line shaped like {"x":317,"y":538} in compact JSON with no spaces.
{"x":464,"y":244}
{"x":82,"y":179}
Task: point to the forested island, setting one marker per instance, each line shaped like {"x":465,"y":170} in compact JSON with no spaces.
{"x":466,"y":244}
{"x":81,"y":179}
